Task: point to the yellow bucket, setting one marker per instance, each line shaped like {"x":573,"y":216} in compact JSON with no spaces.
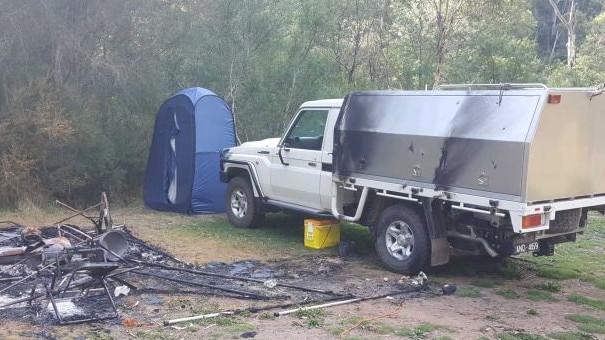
{"x":321,"y":233}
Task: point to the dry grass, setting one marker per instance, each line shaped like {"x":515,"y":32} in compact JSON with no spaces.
{"x":190,"y":238}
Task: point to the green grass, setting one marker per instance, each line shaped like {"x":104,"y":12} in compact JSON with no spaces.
{"x":570,"y":257}
{"x":532,"y":311}
{"x":584,"y":300}
{"x":539,"y":295}
{"x":280,"y":233}
{"x":336,"y":329}
{"x":550,"y":286}
{"x":509,"y":269}
{"x":310,"y":313}
{"x":469,"y":292}
{"x":313,"y":317}
{"x":153,"y":334}
{"x":518,"y":335}
{"x":422,"y":331}
{"x":266,"y":316}
{"x":508,"y":293}
{"x":588,"y":323}
{"x":559,"y":273}
{"x":230,"y":324}
{"x":418,"y":332}
{"x":570,"y":336}
{"x":598,"y":281}
{"x":377,"y":327}
{"x":360,"y":235}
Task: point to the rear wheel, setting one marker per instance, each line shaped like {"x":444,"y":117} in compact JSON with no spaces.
{"x":240,"y":205}
{"x":402,"y":242}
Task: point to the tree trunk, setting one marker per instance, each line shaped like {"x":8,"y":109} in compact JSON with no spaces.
{"x":571,"y":49}
{"x":570,"y":26}
{"x":440,"y":40}
{"x":571,"y":35}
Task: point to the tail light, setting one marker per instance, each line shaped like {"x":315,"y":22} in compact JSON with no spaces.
{"x":531,"y":221}
{"x":554,"y":99}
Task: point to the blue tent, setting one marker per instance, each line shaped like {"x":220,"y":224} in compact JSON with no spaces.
{"x":191,"y":129}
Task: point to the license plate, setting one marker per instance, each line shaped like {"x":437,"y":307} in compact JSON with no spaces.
{"x":523,"y":248}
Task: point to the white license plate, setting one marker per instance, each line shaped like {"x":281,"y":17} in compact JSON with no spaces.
{"x":523,"y":248}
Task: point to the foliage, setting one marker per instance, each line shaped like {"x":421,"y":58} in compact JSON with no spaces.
{"x":33,"y":141}
{"x":81,"y":80}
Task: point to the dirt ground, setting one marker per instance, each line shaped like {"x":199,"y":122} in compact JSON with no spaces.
{"x":473,"y":313}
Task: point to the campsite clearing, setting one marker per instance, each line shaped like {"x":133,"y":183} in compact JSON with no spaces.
{"x":551,"y":307}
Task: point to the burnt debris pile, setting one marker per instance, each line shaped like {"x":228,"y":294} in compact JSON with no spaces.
{"x":67,"y":274}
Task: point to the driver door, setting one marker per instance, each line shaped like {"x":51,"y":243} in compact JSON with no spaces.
{"x":295,"y":178}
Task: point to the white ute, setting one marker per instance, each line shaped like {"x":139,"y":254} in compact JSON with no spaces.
{"x":467,"y":169}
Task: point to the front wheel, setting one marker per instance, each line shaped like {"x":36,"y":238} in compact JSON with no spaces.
{"x":240,"y":204}
{"x":403,"y":243}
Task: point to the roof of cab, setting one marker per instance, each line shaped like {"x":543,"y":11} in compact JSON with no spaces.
{"x":323,"y":103}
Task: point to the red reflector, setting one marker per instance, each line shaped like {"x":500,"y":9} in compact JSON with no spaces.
{"x":554,"y":98}
{"x":531,"y":221}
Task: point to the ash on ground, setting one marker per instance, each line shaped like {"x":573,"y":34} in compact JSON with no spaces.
{"x":34,"y":279}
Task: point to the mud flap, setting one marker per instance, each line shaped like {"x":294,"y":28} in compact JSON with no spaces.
{"x":440,"y":251}
{"x":440,"y":247}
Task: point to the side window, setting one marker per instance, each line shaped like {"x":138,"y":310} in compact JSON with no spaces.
{"x":308,"y":130}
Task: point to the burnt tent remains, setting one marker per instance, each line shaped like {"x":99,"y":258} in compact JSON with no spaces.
{"x":191,"y":129}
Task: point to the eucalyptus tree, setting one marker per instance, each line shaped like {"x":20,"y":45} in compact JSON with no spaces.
{"x":496,"y":45}
{"x":591,"y":59}
{"x":569,"y":20}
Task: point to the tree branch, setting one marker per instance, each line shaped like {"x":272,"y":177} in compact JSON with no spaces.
{"x":559,"y":15}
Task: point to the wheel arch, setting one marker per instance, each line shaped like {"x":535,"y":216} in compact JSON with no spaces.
{"x":245,"y":170}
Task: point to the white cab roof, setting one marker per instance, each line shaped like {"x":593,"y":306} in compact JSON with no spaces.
{"x":323,"y":103}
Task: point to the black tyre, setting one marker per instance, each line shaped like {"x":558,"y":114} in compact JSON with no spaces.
{"x":403,"y":243}
{"x":240,"y":204}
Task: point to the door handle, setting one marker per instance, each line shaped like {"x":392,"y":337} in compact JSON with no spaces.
{"x":264,"y":152}
{"x":312,"y":164}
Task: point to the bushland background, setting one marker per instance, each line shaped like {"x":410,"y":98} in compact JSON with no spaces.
{"x":81,"y":81}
